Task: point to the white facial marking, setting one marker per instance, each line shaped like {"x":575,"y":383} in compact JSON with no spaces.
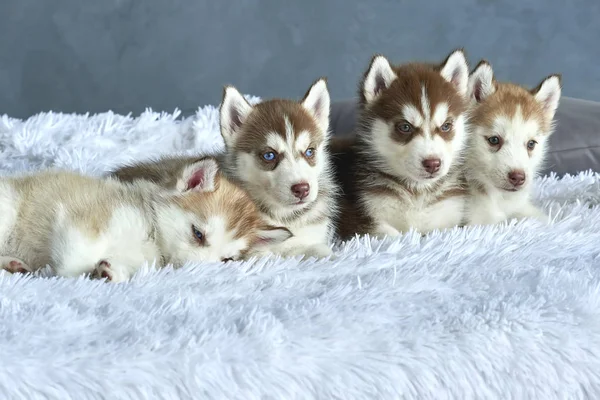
{"x":492,"y":167}
{"x":425,"y":106}
{"x":180,"y":245}
{"x":222,"y":242}
{"x":406,"y":160}
{"x":289,"y":132}
{"x":276,"y":142}
{"x":302,"y":142}
{"x":412,"y":115}
{"x":440,"y":115}
{"x":273,"y":188}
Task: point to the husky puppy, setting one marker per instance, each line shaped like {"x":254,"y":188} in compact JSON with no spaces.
{"x":403,"y":170}
{"x":277,"y":151}
{"x":81,"y":225}
{"x":511,"y":126}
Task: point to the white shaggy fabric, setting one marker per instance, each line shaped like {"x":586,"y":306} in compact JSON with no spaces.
{"x":510,"y":311}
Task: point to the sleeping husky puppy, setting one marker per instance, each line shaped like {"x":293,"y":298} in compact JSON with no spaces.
{"x":277,"y":151}
{"x":511,"y":126}
{"x":83,"y":225}
{"x":406,"y":158}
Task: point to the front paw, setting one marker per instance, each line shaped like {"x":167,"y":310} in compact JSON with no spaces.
{"x":383,"y":229}
{"x":534,"y":213}
{"x":14,"y":265}
{"x":318,"y":251}
{"x":105,"y":270}
{"x":485,"y":218}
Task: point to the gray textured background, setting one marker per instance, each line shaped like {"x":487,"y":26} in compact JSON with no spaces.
{"x":125,"y":55}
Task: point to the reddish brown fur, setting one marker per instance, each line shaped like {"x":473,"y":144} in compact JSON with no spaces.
{"x":353,"y":165}
{"x":505,"y":101}
{"x":407,"y":89}
{"x":242,"y":214}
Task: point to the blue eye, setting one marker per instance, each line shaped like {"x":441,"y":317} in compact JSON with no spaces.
{"x":309,"y":152}
{"x":198,"y":235}
{"x":446,"y":127}
{"x":494,"y":140}
{"x":269,"y":156}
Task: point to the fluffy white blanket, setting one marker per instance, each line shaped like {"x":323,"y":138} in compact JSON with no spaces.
{"x":510,"y":311}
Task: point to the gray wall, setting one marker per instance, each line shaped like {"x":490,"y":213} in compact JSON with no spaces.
{"x":125,"y":55}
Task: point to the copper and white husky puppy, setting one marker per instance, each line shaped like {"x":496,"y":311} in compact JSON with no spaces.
{"x":403,"y":170}
{"x":277,"y":151}
{"x":510,"y":130}
{"x":84,"y":225}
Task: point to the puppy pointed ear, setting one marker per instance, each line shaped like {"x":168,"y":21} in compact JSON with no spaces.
{"x":455,"y":70}
{"x":379,"y":76}
{"x":201,"y":176}
{"x":317,"y":102}
{"x":548,"y":93}
{"x":233,"y":113}
{"x":271,"y":235}
{"x":481,"y":82}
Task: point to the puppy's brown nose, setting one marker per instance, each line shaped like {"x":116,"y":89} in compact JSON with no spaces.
{"x":432,"y":165}
{"x":301,"y":190}
{"x":516,"y":177}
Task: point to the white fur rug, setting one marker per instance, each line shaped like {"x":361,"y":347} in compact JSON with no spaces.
{"x":511,"y":311}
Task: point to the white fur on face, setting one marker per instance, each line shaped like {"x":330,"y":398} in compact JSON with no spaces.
{"x":273,"y":188}
{"x":406,"y":160}
{"x":180,"y":244}
{"x":493,"y":167}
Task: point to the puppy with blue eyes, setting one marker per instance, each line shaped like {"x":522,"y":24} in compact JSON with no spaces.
{"x":510,"y":129}
{"x":277,"y":151}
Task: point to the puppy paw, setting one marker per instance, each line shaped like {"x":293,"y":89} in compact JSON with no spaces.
{"x":383,"y":229}
{"x":104,"y":270}
{"x":14,"y":265}
{"x":533,"y":213}
{"x":318,"y":251}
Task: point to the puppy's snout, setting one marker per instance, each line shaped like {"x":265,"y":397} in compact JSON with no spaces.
{"x":432,"y":165}
{"x":301,"y":190}
{"x":516,"y":177}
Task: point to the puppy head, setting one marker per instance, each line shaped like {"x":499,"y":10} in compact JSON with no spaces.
{"x":510,"y":128}
{"x":413,"y":116}
{"x":211,"y":219}
{"x":277,"y":148}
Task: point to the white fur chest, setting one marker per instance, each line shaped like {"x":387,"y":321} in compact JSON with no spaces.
{"x":494,"y":206}
{"x":310,"y":238}
{"x":423,"y":213}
